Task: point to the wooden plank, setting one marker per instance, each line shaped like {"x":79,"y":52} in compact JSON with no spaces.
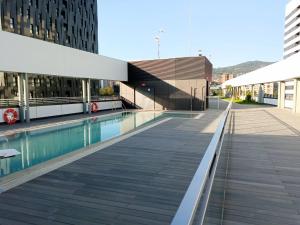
{"x":264,"y":179}
{"x":140,"y":180}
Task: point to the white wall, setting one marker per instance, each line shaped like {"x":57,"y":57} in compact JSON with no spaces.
{"x":271,"y":101}
{"x":59,"y":110}
{"x":29,"y":55}
{"x":55,"y":110}
{"x":109,"y":105}
{"x":289,"y":104}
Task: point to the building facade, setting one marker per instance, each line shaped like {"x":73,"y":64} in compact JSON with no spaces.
{"x":71,"y":23}
{"x":292,"y":29}
{"x":168,"y":84}
{"x":225,"y":77}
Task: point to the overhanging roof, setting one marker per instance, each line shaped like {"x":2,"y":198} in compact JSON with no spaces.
{"x":283,"y":70}
{"x":28,"y":55}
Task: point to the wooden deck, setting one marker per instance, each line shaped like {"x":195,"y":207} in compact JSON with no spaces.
{"x":140,"y":180}
{"x":264,"y":169}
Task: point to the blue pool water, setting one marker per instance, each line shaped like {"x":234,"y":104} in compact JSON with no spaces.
{"x":44,"y":144}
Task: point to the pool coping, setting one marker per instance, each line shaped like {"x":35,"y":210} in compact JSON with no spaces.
{"x":4,"y":134}
{"x":43,"y":126}
{"x":10,"y":181}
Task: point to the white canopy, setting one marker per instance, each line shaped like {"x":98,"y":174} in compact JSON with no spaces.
{"x":29,"y":55}
{"x":283,"y":70}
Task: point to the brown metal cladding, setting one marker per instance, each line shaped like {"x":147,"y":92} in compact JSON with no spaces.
{"x":171,"y":69}
{"x":175,"y":84}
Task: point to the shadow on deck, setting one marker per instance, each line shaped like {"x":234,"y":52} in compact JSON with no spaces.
{"x":140,"y":180}
{"x":263,"y":177}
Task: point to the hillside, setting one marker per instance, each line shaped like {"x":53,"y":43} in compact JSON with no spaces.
{"x":240,"y":68}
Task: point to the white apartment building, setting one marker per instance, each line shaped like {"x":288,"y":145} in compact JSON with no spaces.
{"x":292,"y":29}
{"x":286,"y":73}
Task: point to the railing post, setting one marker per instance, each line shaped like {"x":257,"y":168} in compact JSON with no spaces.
{"x":21,"y":97}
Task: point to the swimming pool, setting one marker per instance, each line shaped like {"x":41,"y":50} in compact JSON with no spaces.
{"x":37,"y":146}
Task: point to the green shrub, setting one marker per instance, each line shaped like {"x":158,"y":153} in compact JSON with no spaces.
{"x":248,"y":96}
{"x":106,"y":91}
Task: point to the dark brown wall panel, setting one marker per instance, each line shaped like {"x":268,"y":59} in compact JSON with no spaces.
{"x":169,"y":82}
{"x":171,"y":69}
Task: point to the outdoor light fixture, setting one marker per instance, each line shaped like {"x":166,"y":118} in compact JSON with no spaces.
{"x":157,"y":38}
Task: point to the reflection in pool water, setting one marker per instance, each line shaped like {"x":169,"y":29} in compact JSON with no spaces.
{"x":48,"y":143}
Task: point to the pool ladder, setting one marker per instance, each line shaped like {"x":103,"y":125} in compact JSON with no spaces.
{"x":115,"y":107}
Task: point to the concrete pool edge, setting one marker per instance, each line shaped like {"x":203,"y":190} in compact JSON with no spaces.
{"x":23,"y":176}
{"x":34,"y":127}
{"x":44,"y":126}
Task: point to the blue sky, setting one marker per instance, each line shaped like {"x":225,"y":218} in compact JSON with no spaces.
{"x":229,"y":32}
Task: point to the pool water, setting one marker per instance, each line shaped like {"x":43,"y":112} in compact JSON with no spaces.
{"x":44,"y":144}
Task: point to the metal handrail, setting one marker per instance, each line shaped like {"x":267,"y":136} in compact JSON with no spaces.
{"x":200,"y":186}
{"x":123,"y":106}
{"x":8,"y":102}
{"x":54,"y":101}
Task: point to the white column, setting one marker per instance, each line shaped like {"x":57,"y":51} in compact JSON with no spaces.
{"x":26,"y":98}
{"x":89,"y":97}
{"x":84,"y":95}
{"x":253,"y":92}
{"x":261,"y":94}
{"x":296,"y":96}
{"x":21,"y":96}
{"x":281,"y":94}
{"x":0,"y":15}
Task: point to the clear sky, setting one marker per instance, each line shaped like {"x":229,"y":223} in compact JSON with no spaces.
{"x":228,"y":31}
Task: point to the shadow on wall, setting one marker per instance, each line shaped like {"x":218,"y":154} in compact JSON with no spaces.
{"x":146,"y":91}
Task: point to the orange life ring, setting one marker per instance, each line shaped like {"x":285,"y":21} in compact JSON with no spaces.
{"x":10,"y":116}
{"x":94,"y":107}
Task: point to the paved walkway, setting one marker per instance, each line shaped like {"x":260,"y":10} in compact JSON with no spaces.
{"x":140,"y":180}
{"x":264,"y":176}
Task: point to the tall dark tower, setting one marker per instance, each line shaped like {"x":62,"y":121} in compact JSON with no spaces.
{"x":71,"y":23}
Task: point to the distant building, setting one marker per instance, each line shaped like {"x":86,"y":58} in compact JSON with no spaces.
{"x":225,"y":77}
{"x":271,"y":90}
{"x":292,"y":28}
{"x":71,"y":23}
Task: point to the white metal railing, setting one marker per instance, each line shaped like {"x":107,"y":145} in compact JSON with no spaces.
{"x":214,"y":102}
{"x":197,"y":196}
{"x":8,"y":103}
{"x":55,"y":100}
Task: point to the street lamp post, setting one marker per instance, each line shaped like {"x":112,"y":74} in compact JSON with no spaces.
{"x":199,"y":52}
{"x":157,"y":38}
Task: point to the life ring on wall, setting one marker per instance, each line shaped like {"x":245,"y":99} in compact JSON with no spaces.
{"x":10,"y":116}
{"x":94,"y":107}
